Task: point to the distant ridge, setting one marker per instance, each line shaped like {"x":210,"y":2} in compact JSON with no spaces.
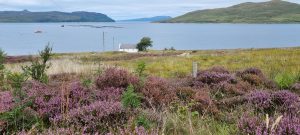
{"x":53,"y":16}
{"x":275,"y":11}
{"x":150,"y":19}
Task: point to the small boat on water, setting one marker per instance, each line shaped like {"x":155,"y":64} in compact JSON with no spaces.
{"x":38,"y":31}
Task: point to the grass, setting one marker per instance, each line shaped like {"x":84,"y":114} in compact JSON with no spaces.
{"x":271,"y":61}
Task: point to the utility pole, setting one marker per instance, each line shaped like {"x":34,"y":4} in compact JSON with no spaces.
{"x":103,"y":41}
{"x":113,"y":43}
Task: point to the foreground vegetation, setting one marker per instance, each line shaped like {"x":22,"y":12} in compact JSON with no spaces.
{"x":235,"y":92}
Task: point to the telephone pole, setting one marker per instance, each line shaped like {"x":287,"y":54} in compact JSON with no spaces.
{"x":103,"y":41}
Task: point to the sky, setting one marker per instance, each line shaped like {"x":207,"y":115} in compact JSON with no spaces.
{"x":122,"y":9}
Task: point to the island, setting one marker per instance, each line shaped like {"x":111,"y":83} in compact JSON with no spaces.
{"x":53,"y":16}
{"x":275,"y":11}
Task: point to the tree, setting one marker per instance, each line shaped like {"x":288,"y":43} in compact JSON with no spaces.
{"x":144,"y":44}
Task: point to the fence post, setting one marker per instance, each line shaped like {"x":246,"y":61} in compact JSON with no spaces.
{"x":195,"y":69}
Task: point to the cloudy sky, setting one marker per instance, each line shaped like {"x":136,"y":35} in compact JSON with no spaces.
{"x":121,"y":9}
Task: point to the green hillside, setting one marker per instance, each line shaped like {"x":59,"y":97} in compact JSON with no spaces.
{"x":54,"y":16}
{"x":275,"y":11}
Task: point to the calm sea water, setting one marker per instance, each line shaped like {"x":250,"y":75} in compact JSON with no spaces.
{"x":21,"y":39}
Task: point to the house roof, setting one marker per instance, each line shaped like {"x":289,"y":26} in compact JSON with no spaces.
{"x":127,"y":46}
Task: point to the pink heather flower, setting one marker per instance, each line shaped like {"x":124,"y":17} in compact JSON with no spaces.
{"x":6,"y":101}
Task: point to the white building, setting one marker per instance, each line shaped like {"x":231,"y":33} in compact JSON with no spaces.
{"x":130,"y":48}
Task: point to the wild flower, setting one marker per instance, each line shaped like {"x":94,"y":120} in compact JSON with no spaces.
{"x":261,"y":100}
{"x":6,"y":101}
{"x":287,"y":102}
{"x":283,"y":101}
{"x":114,"y":77}
{"x":158,"y":91}
{"x":95,"y":117}
{"x":109,"y":94}
{"x":46,"y":101}
{"x":281,"y":125}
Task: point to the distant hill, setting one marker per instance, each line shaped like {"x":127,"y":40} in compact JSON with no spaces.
{"x":54,"y":16}
{"x":275,"y":11}
{"x":151,"y":19}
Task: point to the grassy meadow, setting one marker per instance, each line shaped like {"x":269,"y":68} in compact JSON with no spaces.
{"x":179,"y":63}
{"x":236,"y":92}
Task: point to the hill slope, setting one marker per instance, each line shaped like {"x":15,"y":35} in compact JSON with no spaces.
{"x":275,"y":11}
{"x":54,"y":16}
{"x":151,"y":19}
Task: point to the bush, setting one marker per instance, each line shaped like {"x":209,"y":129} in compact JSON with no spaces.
{"x":98,"y":116}
{"x":109,"y":94}
{"x":140,"y":70}
{"x":2,"y":67}
{"x":270,"y":126}
{"x":283,"y":102}
{"x":16,"y":80}
{"x":130,"y":99}
{"x":6,"y":101}
{"x":114,"y":77}
{"x":285,"y":80}
{"x":37,"y":69}
{"x":158,"y":91}
{"x":18,"y":119}
{"x":46,"y":101}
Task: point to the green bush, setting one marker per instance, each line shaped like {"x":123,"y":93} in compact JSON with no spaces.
{"x":142,"y":120}
{"x":37,"y":69}
{"x":140,"y":70}
{"x":130,"y":99}
{"x":16,"y":80}
{"x":2,"y":59}
{"x":20,"y":118}
{"x":285,"y":80}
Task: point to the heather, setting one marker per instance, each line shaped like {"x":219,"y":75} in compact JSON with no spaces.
{"x":115,"y":100}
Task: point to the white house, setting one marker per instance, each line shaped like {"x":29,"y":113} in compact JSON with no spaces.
{"x":130,"y":48}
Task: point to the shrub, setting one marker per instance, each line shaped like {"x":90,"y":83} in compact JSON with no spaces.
{"x":77,"y":95}
{"x":185,"y":93}
{"x":213,"y":78}
{"x":37,"y":69}
{"x":258,"y":126}
{"x":19,"y":118}
{"x":98,"y":116}
{"x":114,"y":77}
{"x":254,"y":76}
{"x":287,"y":102}
{"x":6,"y":101}
{"x":284,"y":102}
{"x":140,"y":70}
{"x":261,"y":101}
{"x":158,"y":92}
{"x":130,"y":99}
{"x":285,"y":80}
{"x":203,"y":103}
{"x":142,"y":120}
{"x":46,"y":101}
{"x":109,"y":94}
{"x":2,"y":67}
{"x":16,"y":80}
